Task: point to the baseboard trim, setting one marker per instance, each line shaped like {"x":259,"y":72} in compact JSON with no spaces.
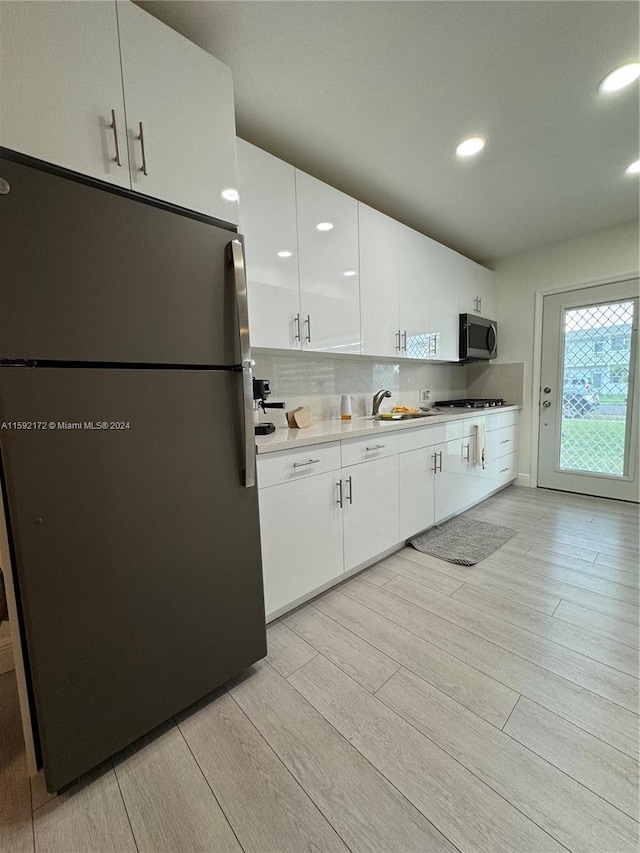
{"x":6,"y":656}
{"x":524,"y":480}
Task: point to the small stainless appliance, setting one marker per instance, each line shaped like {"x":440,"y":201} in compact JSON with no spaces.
{"x":478,"y":338}
{"x":261,"y":393}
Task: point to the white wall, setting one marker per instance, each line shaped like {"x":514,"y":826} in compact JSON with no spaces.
{"x":585,"y":259}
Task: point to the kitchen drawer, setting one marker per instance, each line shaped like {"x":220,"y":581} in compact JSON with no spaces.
{"x":426,"y":436}
{"x":499,"y":420}
{"x":288,"y":466}
{"x":502,"y":442}
{"x":366,"y":449}
{"x":501,"y":471}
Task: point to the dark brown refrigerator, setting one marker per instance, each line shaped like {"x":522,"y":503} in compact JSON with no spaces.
{"x":128,"y":466}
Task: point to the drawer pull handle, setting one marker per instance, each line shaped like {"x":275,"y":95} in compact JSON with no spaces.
{"x":506,"y":441}
{"x":308,"y":462}
{"x":466,"y":458}
{"x":504,"y":470}
{"x":350,"y":492}
{"x":376,"y":447}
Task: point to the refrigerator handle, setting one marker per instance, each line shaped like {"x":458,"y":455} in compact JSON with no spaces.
{"x":236,"y":251}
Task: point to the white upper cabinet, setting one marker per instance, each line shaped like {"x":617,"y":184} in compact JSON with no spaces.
{"x":379,"y":320}
{"x":443,"y":276}
{"x":268,"y":221}
{"x":476,"y":289}
{"x":414,"y":296}
{"x":60,"y":70}
{"x":106,"y":90}
{"x":329,"y":267}
{"x":180,"y":117}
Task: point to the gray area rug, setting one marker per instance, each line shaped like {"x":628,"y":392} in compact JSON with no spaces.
{"x":464,"y":541}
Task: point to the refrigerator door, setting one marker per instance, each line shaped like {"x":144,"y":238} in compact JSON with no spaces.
{"x":92,"y":276}
{"x":137,"y":549}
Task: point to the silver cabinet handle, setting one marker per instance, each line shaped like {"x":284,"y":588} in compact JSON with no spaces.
{"x":466,"y":458}
{"x":480,"y":305}
{"x":404,"y":341}
{"x":308,"y":462}
{"x":236,"y":252}
{"x":113,"y":126}
{"x":350,"y":492}
{"x":140,"y":137}
{"x":376,"y":447}
{"x":398,"y":341}
{"x":440,"y":455}
{"x":506,"y":441}
{"x":339,"y":501}
{"x":296,"y":320}
{"x":307,"y":323}
{"x":435,"y":463}
{"x":504,"y":470}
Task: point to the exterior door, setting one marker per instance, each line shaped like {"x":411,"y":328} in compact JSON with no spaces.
{"x":589,"y":392}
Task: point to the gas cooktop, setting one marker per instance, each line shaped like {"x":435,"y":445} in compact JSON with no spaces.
{"x":477,"y":403}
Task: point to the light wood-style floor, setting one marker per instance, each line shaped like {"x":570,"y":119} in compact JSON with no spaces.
{"x":420,"y":707}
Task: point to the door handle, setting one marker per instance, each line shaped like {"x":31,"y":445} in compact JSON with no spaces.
{"x":435,"y":463}
{"x":296,"y":321}
{"x":308,"y":325}
{"x":236,"y":252}
{"x":440,"y":455}
{"x":140,"y":137}
{"x":350,"y":492}
{"x":339,"y":501}
{"x":399,"y":341}
{"x":117,"y":159}
{"x":404,"y":341}
{"x":466,"y":458}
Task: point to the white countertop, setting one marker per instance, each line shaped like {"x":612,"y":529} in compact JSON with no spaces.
{"x":320,"y":432}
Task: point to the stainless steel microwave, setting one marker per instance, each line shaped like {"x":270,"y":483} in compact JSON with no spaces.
{"x":478,"y":338}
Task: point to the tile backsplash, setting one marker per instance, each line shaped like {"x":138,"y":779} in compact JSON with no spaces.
{"x":310,"y":379}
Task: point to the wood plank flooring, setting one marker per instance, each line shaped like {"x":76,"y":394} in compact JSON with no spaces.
{"x":419,"y":707}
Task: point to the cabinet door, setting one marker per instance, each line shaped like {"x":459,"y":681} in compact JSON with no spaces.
{"x":329,"y":274}
{"x":443,"y":275}
{"x":301,"y":532}
{"x":378,"y":282}
{"x":371,"y":509}
{"x":476,"y":289}
{"x":268,"y":221}
{"x":416,"y":491}
{"x":183,"y":98}
{"x":453,"y":480}
{"x":413,"y":289}
{"x":60,"y":69}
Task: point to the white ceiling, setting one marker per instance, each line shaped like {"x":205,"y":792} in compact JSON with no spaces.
{"x":372,"y":97}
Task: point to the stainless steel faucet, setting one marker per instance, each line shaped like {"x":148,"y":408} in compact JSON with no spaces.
{"x":377,"y":399}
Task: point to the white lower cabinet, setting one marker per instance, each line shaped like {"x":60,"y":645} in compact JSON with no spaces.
{"x":331,"y":508}
{"x":301,"y":531}
{"x":416,"y":491}
{"x":371,"y":509}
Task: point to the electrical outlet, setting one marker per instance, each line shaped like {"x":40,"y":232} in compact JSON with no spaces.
{"x":425,"y":396}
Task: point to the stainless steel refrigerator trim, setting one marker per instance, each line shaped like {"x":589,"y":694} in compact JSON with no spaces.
{"x":239,"y":276}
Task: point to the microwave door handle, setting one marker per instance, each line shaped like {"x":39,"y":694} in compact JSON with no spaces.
{"x":492,"y":337}
{"x":236,"y":252}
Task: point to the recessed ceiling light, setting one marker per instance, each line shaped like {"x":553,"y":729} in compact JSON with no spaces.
{"x":230,"y":195}
{"x":324,"y":226}
{"x":621,"y":77}
{"x":470,"y":146}
{"x":633,"y":169}
{"x":284,"y":254}
{"x":350,"y":272}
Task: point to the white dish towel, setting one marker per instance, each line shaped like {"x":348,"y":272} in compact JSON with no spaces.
{"x":479,"y":446}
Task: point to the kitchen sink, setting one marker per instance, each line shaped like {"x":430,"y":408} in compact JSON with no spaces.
{"x":403,"y":416}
